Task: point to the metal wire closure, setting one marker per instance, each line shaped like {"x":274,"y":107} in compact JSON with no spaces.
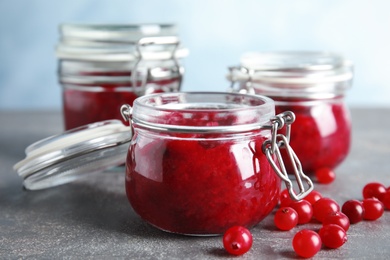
{"x":126,"y":111}
{"x":235,"y":81}
{"x":279,"y":141}
{"x":148,"y":41}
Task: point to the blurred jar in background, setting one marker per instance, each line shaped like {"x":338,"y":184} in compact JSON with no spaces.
{"x":313,"y":86}
{"x":101,"y":67}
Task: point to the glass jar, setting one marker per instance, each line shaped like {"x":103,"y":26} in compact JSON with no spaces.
{"x":101,"y":67}
{"x":313,"y":86}
{"x":199,"y":163}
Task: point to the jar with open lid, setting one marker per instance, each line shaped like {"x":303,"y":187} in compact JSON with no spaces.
{"x":200,"y":163}
{"x":102,"y":66}
{"x":197,"y":163}
{"x":313,"y":86}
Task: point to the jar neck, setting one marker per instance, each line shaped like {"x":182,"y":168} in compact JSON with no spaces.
{"x":314,"y":75}
{"x":89,"y":72}
{"x":202,"y":112}
{"x":283,"y":101}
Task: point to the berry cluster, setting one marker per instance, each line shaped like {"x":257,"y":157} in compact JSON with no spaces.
{"x":335,"y":220}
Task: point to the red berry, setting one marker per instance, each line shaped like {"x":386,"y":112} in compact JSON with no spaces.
{"x":313,"y":196}
{"x":286,"y":218}
{"x":386,"y":199}
{"x":374,"y":190}
{"x":323,"y":207}
{"x":284,"y":194}
{"x":337,"y":218}
{"x":373,"y":209}
{"x":333,"y":236}
{"x":286,"y":202}
{"x":325,"y":175}
{"x":306,"y":243}
{"x":237,"y":240}
{"x":354,"y":211}
{"x":304,"y":210}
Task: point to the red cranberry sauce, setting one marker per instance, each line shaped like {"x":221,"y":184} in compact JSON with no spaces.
{"x":86,"y":103}
{"x":200,"y":184}
{"x":321,"y":133}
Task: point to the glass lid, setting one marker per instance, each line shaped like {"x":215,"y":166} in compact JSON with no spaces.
{"x":119,"y":42}
{"x":74,"y":154}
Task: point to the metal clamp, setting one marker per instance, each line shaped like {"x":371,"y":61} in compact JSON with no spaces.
{"x":237,"y":80}
{"x":126,"y":112}
{"x":279,"y":141}
{"x":148,"y":41}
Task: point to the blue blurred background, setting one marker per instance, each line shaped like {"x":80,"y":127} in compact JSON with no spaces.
{"x":216,"y":32}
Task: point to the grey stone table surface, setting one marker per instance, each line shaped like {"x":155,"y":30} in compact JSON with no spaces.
{"x":92,"y":219}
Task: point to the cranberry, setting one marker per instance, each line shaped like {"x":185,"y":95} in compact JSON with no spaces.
{"x":373,"y":209}
{"x":323,"y":207}
{"x":237,"y":240}
{"x":333,"y":236}
{"x":286,"y":218}
{"x":374,"y":190}
{"x":386,"y":199}
{"x":325,"y":175}
{"x":354,"y":210}
{"x":286,"y":202}
{"x":337,"y":218}
{"x":304,"y":210}
{"x":306,"y":243}
{"x":313,"y":196}
{"x":284,"y":194}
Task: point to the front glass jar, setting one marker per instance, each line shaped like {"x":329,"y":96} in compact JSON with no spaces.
{"x":196,"y":163}
{"x":312,"y":85}
{"x":100,"y":67}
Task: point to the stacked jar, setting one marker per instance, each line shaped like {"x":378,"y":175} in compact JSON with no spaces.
{"x":313,"y":86}
{"x":101,"y":67}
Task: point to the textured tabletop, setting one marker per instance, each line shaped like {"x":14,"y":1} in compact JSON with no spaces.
{"x":92,"y":219}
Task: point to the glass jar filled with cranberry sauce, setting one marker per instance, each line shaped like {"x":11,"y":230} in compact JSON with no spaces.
{"x":313,"y":86}
{"x":101,"y":67}
{"x":199,"y":163}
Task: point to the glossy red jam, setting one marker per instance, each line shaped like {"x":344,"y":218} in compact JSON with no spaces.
{"x":200,"y":183}
{"x":85,"y":104}
{"x":321,"y":133}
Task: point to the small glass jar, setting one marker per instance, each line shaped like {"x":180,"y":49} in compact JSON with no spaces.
{"x":101,"y":67}
{"x":312,"y":85}
{"x":199,"y":163}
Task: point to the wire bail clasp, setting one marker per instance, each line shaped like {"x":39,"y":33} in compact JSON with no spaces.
{"x":279,"y":141}
{"x":240,"y":75}
{"x":126,"y":112}
{"x":153,"y":41}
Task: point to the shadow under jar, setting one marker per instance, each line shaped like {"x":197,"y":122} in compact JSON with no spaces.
{"x":101,"y":67}
{"x":312,"y":85}
{"x":199,"y":163}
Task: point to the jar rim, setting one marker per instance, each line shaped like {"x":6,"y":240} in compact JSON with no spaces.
{"x":205,"y":112}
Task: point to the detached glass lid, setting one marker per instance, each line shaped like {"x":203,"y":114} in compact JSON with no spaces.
{"x":74,"y":154}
